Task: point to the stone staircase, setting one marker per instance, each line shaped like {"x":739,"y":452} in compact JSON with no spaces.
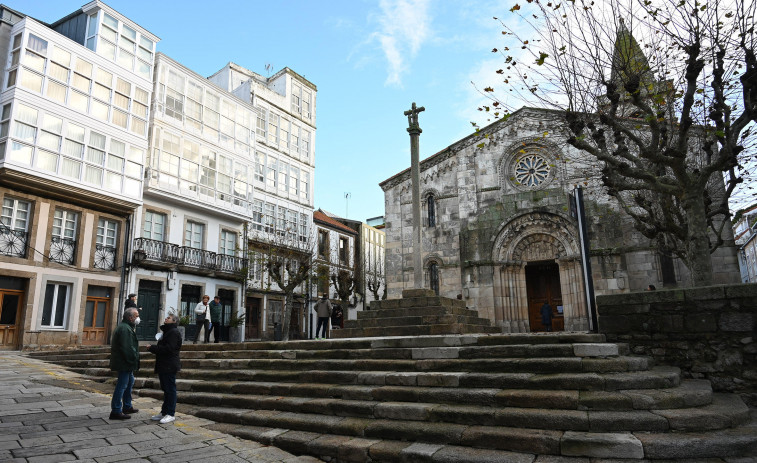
{"x":420,"y":312}
{"x":557,"y":397}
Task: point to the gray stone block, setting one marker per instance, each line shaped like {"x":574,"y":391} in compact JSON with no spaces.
{"x":601,"y":445}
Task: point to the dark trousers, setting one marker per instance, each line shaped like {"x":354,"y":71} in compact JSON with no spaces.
{"x":322,"y":322}
{"x":202,"y":324}
{"x":213,"y":329}
{"x":168,"y":385}
{"x":122,"y":393}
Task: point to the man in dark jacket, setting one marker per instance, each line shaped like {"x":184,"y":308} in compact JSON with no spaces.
{"x":323,"y":310}
{"x":124,"y":358}
{"x":167,"y":364}
{"x":546,"y":316}
{"x":215,"y":319}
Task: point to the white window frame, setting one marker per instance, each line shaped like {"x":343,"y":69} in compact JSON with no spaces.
{"x":191,"y":231}
{"x":67,"y":223}
{"x":107,"y":232}
{"x":54,"y":307}
{"x":228,"y":244}
{"x":12,"y":221}
{"x":150,"y":225}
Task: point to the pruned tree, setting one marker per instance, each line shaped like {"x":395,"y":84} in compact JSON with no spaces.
{"x":287,"y":259}
{"x":374,"y":276}
{"x":345,"y":283}
{"x":663,"y":94}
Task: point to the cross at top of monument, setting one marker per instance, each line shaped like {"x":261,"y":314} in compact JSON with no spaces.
{"x":412,"y":117}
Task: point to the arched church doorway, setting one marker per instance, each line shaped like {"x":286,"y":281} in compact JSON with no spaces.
{"x":543,"y":285}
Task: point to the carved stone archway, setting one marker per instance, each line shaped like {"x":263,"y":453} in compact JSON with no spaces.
{"x":532,"y":237}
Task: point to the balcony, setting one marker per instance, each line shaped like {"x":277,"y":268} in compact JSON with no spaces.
{"x":160,"y":255}
{"x":199,"y":261}
{"x":62,"y":250}
{"x":105,"y":257}
{"x":13,"y":243}
{"x":230,"y":266}
{"x":155,"y":254}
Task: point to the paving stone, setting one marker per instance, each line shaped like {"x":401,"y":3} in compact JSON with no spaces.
{"x":55,"y":458}
{"x":601,"y":445}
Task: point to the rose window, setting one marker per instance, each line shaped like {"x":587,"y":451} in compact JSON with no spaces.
{"x":531,"y":170}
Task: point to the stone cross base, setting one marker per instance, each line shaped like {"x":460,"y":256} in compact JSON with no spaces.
{"x":419,"y":312}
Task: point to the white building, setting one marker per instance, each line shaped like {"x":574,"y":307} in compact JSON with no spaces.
{"x":73,"y":138}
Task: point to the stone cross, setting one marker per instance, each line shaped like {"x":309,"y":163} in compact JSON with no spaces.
{"x":415,"y":172}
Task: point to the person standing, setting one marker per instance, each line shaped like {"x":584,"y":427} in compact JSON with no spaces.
{"x":215,"y":319}
{"x":124,"y":358}
{"x":201,"y":317}
{"x":546,"y":316}
{"x":323,"y":310}
{"x":167,"y":364}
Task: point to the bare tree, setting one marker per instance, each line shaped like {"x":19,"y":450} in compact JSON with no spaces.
{"x":287,"y":259}
{"x":667,"y":116}
{"x":374,"y":276}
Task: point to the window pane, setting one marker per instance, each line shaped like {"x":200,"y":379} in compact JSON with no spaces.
{"x":104,"y":77}
{"x":47,"y":161}
{"x":106,"y":49}
{"x":71,"y":168}
{"x":71,"y":148}
{"x":34,"y":61}
{"x":100,"y":110}
{"x":49,"y":140}
{"x":31,"y":81}
{"x":120,"y":118}
{"x":78,"y":101}
{"x":24,"y":132}
{"x":47,"y":308}
{"x":95,"y":156}
{"x":138,"y":125}
{"x":52,"y":123}
{"x":110,"y":21}
{"x":37,"y":44}
{"x":113,"y":181}
{"x":60,"y":305}
{"x":20,"y":153}
{"x":93,"y":175}
{"x":83,"y":67}
{"x":102,"y":92}
{"x":97,"y":140}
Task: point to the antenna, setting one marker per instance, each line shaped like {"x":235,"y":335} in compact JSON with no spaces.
{"x":347,"y":196}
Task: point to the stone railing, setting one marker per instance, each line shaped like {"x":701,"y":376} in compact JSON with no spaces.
{"x":708,"y":332}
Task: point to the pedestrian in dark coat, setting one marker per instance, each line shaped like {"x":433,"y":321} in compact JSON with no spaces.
{"x":323,"y":310}
{"x":546,"y":316}
{"x":167,"y":364}
{"x":124,"y":358}
{"x":215,"y":319}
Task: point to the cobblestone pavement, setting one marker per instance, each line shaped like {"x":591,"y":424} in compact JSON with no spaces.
{"x":50,"y":415}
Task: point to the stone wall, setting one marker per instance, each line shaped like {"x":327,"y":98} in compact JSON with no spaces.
{"x":708,"y":332}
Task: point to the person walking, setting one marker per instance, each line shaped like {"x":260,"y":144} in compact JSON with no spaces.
{"x":167,"y":364}
{"x":124,"y":358}
{"x":215,"y":319}
{"x":201,"y":317}
{"x":323,"y":310}
{"x":546,"y":316}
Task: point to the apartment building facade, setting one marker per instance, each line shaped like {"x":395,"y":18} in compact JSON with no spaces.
{"x":73,"y":140}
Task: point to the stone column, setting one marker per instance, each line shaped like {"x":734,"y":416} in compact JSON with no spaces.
{"x":415,"y":172}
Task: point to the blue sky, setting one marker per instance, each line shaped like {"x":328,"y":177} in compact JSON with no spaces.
{"x":370,"y":59}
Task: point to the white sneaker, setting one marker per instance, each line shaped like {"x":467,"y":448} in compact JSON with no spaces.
{"x":167,"y":419}
{"x":157,"y":417}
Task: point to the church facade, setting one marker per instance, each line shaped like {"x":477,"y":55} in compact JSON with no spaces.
{"x":499,"y":228}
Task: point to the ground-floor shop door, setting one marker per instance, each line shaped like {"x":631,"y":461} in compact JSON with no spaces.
{"x":10,"y":317}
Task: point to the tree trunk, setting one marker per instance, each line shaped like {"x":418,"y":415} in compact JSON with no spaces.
{"x":698,"y":244}
{"x":286,"y":317}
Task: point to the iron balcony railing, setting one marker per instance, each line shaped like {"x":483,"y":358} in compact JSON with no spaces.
{"x":105,"y":257}
{"x":62,"y":250}
{"x":199,"y":259}
{"x":13,"y":243}
{"x":230,"y":264}
{"x":155,"y":251}
{"x":159,"y":254}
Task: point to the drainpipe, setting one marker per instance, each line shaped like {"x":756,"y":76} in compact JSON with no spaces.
{"x":125,"y":267}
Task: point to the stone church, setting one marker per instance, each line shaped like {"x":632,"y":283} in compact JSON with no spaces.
{"x":499,"y":228}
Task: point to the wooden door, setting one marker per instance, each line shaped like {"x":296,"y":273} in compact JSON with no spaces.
{"x":252,"y":318}
{"x":96,"y":315}
{"x":148,"y":297}
{"x":10,"y":317}
{"x":543,"y":285}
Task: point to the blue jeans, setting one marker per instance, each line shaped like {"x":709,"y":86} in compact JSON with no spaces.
{"x":322,"y":322}
{"x":168,"y":385}
{"x":122,"y":394}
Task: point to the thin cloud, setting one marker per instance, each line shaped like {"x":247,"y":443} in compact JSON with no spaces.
{"x":404,"y":26}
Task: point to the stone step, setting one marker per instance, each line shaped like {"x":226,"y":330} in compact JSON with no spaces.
{"x":464,"y":352}
{"x":690,"y":393}
{"x":578,"y":447}
{"x":515,"y":433}
{"x":413,"y":330}
{"x":415,"y":311}
{"x":412,"y":320}
{"x":724,"y":412}
{"x":423,"y":301}
{"x":436,"y":362}
{"x":655,"y":378}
